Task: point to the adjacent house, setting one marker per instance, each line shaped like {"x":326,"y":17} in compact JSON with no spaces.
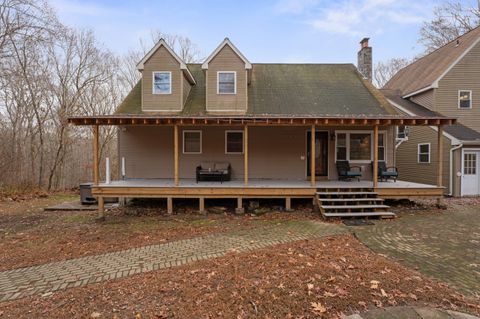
{"x":229,"y":128}
{"x":445,"y":82}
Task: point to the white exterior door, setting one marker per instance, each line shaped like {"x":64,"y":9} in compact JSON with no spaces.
{"x":470,"y":174}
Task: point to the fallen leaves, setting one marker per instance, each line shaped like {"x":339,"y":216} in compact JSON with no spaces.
{"x":318,"y":308}
{"x":374,"y":284}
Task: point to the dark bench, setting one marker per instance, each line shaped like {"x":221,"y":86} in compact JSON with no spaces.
{"x":347,"y":172}
{"x":385,"y":173}
{"x":218,"y":171}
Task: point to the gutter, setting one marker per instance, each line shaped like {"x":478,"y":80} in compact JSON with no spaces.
{"x":450,"y":184}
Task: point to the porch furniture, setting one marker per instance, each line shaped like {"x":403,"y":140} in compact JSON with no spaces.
{"x":214,"y":171}
{"x":385,"y":173}
{"x":347,"y":172}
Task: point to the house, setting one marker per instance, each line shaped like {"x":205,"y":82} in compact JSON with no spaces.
{"x":276,"y":131}
{"x":445,"y":82}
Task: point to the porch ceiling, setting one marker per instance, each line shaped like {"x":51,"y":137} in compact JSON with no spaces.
{"x":345,"y":120}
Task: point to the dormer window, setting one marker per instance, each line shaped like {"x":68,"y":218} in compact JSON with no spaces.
{"x":464,"y":99}
{"x":226,"y":82}
{"x":162,"y":82}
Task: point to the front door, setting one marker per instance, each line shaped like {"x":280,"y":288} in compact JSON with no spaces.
{"x":470,"y":176}
{"x":321,"y":153}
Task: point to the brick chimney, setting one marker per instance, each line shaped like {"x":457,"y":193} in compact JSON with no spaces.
{"x":365,"y":59}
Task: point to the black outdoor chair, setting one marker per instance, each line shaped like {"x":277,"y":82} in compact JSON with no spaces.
{"x":385,"y":173}
{"x":347,"y":172}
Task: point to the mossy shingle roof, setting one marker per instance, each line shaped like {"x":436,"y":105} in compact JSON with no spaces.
{"x":288,"y":89}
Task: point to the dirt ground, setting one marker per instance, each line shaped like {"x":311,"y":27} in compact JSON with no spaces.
{"x":29,"y":236}
{"x":308,"y":279}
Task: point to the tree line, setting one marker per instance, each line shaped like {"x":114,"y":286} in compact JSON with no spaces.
{"x":50,"y":71}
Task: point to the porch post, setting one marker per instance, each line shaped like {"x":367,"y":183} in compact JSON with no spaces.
{"x":375,"y":156}
{"x":96,"y":160}
{"x":245,"y":154}
{"x":440,"y":160}
{"x":95,"y":155}
{"x":312,"y":157}
{"x":175,"y":154}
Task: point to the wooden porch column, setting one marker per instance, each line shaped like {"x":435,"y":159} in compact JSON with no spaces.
{"x":175,"y":154}
{"x":96,"y":178}
{"x":245,"y":154}
{"x":312,"y":157}
{"x":375,"y":156}
{"x":440,"y":161}
{"x":95,"y":155}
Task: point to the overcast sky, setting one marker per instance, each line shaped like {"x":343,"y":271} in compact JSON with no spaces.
{"x":325,"y":31}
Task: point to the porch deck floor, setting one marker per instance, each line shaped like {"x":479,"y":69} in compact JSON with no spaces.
{"x":264,"y":183}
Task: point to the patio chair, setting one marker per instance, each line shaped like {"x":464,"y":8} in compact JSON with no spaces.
{"x":347,"y":172}
{"x":385,"y":173}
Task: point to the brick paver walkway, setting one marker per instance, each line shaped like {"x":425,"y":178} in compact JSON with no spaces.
{"x":48,"y":278}
{"x":443,"y":245}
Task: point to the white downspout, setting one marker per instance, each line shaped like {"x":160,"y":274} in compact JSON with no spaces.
{"x":450,"y":184}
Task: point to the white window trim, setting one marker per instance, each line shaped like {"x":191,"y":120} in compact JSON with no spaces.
{"x":385,"y":153}
{"x":234,"y":80}
{"x":153,"y":82}
{"x":429,"y":153}
{"x":243,"y":141}
{"x":471,"y":100}
{"x":183,"y":141}
{"x":397,"y":130}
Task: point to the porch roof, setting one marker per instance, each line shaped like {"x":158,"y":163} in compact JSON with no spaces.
{"x":273,"y":120}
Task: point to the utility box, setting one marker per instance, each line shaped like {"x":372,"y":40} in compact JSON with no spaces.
{"x":86,"y":197}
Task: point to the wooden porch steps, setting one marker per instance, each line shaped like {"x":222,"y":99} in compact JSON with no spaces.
{"x":364,"y":214}
{"x":351,"y":202}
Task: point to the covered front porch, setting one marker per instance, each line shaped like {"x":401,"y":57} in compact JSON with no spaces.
{"x":297,"y":147}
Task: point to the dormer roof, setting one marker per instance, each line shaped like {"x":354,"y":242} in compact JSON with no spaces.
{"x":183,"y":65}
{"x":225,"y":42}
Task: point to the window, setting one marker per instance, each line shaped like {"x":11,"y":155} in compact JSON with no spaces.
{"x":424,"y":153}
{"x":357,"y":146}
{"x":470,"y":164}
{"x":233,"y":142}
{"x":162,"y":82}
{"x":192,"y":142}
{"x":381,"y":147}
{"x":341,"y":147}
{"x":360,"y":147}
{"x":402,"y":132}
{"x":464,"y":99}
{"x":226,"y":82}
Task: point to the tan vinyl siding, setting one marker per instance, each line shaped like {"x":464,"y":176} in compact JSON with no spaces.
{"x":464,"y":76}
{"x":148,"y":151}
{"x":407,"y":157}
{"x":425,"y":99}
{"x":226,"y":60}
{"x":162,"y":60}
{"x":274,"y":152}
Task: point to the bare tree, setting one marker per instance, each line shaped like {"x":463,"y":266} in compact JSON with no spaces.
{"x":384,"y":71}
{"x":450,"y":20}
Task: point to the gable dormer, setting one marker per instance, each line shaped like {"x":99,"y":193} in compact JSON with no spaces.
{"x":166,"y":80}
{"x":226,"y":76}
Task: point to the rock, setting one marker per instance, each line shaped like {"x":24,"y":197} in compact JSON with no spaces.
{"x":217,"y":209}
{"x":240,"y":211}
{"x":253,"y":204}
